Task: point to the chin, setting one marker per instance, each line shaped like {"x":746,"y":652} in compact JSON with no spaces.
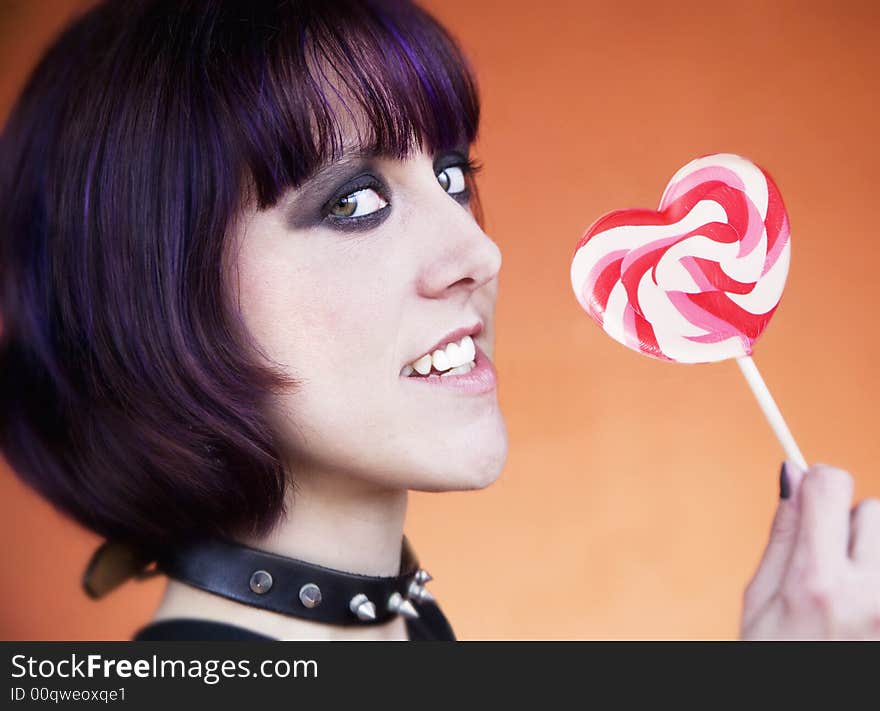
{"x":470,"y":469}
{"x":480,"y":478}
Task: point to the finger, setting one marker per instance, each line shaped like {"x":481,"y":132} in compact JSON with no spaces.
{"x":864,"y":535}
{"x":783,"y":533}
{"x":823,"y":534}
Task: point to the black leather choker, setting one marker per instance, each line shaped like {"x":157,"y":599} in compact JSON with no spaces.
{"x":269,"y":581}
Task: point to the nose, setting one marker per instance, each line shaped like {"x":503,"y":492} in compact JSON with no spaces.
{"x":457,"y":254}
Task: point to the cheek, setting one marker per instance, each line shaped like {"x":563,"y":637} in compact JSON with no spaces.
{"x":312,"y":320}
{"x":333,"y":332}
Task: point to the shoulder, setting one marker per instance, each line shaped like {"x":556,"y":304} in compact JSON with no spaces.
{"x":430,"y":625}
{"x":192,"y":629}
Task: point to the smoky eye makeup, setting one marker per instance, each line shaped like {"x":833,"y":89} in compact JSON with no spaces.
{"x":315,"y":198}
{"x":468,"y":166}
{"x":449,"y":159}
{"x":349,"y":190}
{"x":332,"y":186}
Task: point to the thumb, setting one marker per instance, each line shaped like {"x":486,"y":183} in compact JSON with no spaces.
{"x":783,"y":533}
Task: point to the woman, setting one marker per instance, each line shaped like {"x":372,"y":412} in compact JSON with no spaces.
{"x":248,"y":305}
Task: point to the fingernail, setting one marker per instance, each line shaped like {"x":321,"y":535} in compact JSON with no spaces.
{"x":784,"y":483}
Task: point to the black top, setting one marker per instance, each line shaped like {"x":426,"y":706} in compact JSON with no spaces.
{"x":431,"y":625}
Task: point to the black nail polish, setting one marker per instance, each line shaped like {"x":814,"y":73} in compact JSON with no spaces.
{"x":784,"y":483}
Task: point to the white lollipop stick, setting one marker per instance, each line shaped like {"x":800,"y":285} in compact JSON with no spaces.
{"x":771,"y":411}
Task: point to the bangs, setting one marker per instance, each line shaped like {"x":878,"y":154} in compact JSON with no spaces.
{"x":387,"y":68}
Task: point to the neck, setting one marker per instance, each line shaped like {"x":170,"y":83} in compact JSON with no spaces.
{"x":332,"y":520}
{"x":341,"y":523}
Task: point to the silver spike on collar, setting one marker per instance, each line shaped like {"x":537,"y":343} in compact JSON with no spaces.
{"x":365,"y":609}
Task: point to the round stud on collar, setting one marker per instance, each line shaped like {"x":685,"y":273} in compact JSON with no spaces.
{"x":361,"y":606}
{"x":310,"y":595}
{"x":261,"y":582}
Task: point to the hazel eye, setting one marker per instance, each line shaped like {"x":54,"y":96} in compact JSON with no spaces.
{"x":359,"y":203}
{"x":451,"y":179}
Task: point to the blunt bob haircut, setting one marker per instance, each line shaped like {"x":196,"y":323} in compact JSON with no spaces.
{"x":130,"y":394}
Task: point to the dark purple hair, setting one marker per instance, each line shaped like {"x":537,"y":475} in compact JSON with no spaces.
{"x":130,"y":393}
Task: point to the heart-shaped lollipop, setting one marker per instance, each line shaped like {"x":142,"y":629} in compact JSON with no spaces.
{"x":698,"y":279}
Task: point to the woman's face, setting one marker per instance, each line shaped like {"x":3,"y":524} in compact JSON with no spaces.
{"x":345,"y":282}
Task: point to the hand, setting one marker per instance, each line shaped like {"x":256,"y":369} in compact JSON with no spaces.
{"x":819,"y":577}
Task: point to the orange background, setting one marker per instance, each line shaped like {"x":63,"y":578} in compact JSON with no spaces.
{"x":638,"y":494}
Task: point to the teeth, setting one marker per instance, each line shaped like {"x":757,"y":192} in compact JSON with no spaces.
{"x":467,"y":345}
{"x":451,"y":358}
{"x":457,"y":355}
{"x":460,"y":370}
{"x":423,"y":365}
{"x":440,"y":360}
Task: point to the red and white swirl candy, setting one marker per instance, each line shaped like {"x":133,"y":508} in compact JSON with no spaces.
{"x":698,"y":279}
